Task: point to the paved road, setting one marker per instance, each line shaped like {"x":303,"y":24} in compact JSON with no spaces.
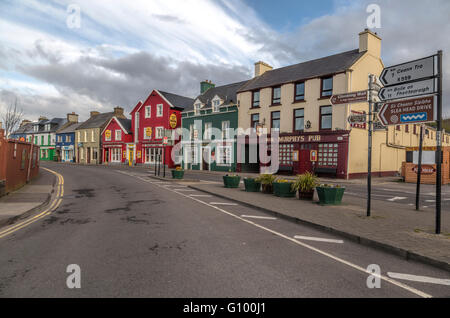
{"x":133,"y":236}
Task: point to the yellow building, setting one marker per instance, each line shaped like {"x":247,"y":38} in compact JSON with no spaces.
{"x":315,"y":135}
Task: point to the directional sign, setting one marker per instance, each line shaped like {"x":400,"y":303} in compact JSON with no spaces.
{"x":410,"y":71}
{"x":425,"y":87}
{"x":348,"y":98}
{"x":357,"y":119}
{"x":410,"y":111}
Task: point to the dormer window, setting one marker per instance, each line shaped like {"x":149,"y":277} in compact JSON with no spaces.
{"x":47,"y":127}
{"x":197,"y":108}
{"x":216,"y":105}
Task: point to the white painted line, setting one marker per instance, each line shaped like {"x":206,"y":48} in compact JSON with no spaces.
{"x":184,"y":190}
{"x":258,"y":217}
{"x":222,"y":203}
{"x":397,"y":198}
{"x":430,"y":201}
{"x":421,"y":279}
{"x":201,"y":195}
{"x":318,"y":239}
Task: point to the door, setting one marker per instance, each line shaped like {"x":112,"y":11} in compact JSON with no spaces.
{"x":206,"y":158}
{"x":305,"y":164}
{"x":106,"y":155}
{"x":88,"y":155}
{"x":130,"y":156}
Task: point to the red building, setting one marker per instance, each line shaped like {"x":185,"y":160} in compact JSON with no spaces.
{"x":160,"y":112}
{"x":117,"y":137}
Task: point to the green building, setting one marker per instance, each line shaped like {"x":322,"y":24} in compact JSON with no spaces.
{"x":44,"y":135}
{"x":209,"y":125}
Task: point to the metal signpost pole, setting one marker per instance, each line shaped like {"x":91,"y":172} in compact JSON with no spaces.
{"x":369,"y":163}
{"x":164,"y":161}
{"x":419,"y":168}
{"x":438,"y":147}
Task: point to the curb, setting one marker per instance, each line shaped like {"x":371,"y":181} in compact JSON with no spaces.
{"x":14,"y":219}
{"x":408,"y":255}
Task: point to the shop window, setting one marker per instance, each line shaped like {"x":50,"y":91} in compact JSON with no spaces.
{"x":116,"y":155}
{"x":299,"y":119}
{"x":151,"y":154}
{"x":285,"y":155}
{"x":328,"y":155}
{"x":325,"y":117}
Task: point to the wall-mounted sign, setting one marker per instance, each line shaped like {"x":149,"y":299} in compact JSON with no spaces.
{"x":426,"y":169}
{"x":108,"y":135}
{"x":138,"y":154}
{"x":173,"y":121}
{"x":357,"y":120}
{"x":295,"y":155}
{"x":313,"y":156}
{"x":148,"y":132}
{"x":165,"y":140}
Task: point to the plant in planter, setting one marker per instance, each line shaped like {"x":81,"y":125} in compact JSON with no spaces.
{"x":330,"y":194}
{"x":305,"y":184}
{"x":178,"y":173}
{"x":231,"y":181}
{"x":266,"y":181}
{"x":251,"y":185}
{"x":283,"y":188}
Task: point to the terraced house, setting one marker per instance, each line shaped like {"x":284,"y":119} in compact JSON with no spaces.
{"x":88,"y":143}
{"x":44,"y":134}
{"x":65,"y":139}
{"x":214,"y":109}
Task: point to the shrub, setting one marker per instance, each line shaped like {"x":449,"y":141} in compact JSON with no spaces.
{"x":305,"y":182}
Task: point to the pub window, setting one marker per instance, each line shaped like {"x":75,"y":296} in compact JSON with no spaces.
{"x":255,"y":99}
{"x":299,"y":92}
{"x":276,"y":95}
{"x":325,"y":117}
{"x":327,"y":86}
{"x":275,"y":120}
{"x":254,"y":120}
{"x":299,"y":119}
{"x":328,"y":155}
{"x":286,"y":154}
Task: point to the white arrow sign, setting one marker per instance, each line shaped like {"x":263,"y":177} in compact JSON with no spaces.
{"x":408,"y":90}
{"x":410,"y":71}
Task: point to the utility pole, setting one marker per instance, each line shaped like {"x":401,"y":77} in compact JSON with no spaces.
{"x":419,"y":171}
{"x":438,"y":146}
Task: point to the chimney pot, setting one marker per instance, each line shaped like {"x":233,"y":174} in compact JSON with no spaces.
{"x":262,"y":67}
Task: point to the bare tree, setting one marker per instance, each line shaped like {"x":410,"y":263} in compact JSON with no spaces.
{"x":11,"y":118}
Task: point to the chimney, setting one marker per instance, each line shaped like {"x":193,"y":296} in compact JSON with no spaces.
{"x":261,"y":68}
{"x":42,"y":118}
{"x":94,"y":113}
{"x":72,"y":117}
{"x":370,"y":41}
{"x":24,"y":122}
{"x":205,"y":85}
{"x":118,"y":112}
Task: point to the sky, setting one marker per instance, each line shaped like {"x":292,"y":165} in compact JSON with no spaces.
{"x":122,"y":49}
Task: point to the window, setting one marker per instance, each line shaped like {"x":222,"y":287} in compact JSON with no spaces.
{"x":327,"y":86}
{"x":216,"y":105}
{"x":79,"y":136}
{"x":286,"y":154}
{"x":116,"y":155}
{"x":68,"y":138}
{"x":299,"y":119}
{"x":159,"y":132}
{"x":224,"y":155}
{"x":197,"y":108}
{"x":254,"y":120}
{"x":49,"y":140}
{"x":299,"y":92}
{"x":148,"y":133}
{"x":148,"y":110}
{"x":159,"y":110}
{"x":94,"y":153}
{"x":208,"y":131}
{"x":59,"y":138}
{"x":42,"y":140}
{"x":325,"y":117}
{"x":255,"y":99}
{"x":191,"y":131}
{"x":328,"y":155}
{"x":276,"y":95}
{"x":36,"y":140}
{"x":225,"y":129}
{"x":92,"y":136}
{"x":275,"y":120}
{"x":85,"y":136}
{"x":152,"y":154}
{"x":47,"y":127}
{"x":118,"y":135}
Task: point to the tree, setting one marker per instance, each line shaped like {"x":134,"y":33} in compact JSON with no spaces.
{"x":12,"y":118}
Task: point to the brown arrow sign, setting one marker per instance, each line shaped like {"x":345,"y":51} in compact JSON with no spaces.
{"x":348,"y":98}
{"x":408,"y":111}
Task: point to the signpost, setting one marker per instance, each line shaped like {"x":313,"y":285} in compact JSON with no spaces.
{"x":349,"y":98}
{"x":425,"y":87}
{"x":410,"y":71}
{"x":409,"y":111}
{"x":357,"y":119}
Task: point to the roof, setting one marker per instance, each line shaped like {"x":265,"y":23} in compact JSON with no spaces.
{"x":177,"y":100}
{"x":228,"y":93}
{"x":97,"y":121}
{"x":26,"y":128}
{"x":55,"y":124}
{"x":315,"y":68}
{"x":69,"y":129}
{"x":125,"y":123}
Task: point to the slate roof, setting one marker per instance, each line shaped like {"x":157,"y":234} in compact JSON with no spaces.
{"x":315,"y":68}
{"x":97,"y":121}
{"x":55,"y":124}
{"x":27,"y":128}
{"x":228,"y":93}
{"x":69,"y":129}
{"x":126,"y":123}
{"x":177,"y":100}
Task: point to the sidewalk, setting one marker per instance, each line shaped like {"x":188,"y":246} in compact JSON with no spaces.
{"x":28,"y":199}
{"x":392,"y":227}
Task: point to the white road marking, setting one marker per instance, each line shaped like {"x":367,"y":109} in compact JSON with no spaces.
{"x":421,"y":279}
{"x":222,"y":203}
{"x":184,"y":190}
{"x":430,"y":201}
{"x":340,"y":260}
{"x":318,"y":239}
{"x":201,"y":195}
{"x":397,"y":198}
{"x":258,"y":217}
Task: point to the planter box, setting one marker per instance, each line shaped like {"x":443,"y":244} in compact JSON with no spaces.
{"x":306,"y":195}
{"x":231,"y":181}
{"x":267,"y":188}
{"x":330,"y":196}
{"x":177,"y":174}
{"x":251,"y":185}
{"x":283,"y":189}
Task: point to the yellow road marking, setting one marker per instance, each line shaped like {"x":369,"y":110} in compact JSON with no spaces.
{"x":55,"y":204}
